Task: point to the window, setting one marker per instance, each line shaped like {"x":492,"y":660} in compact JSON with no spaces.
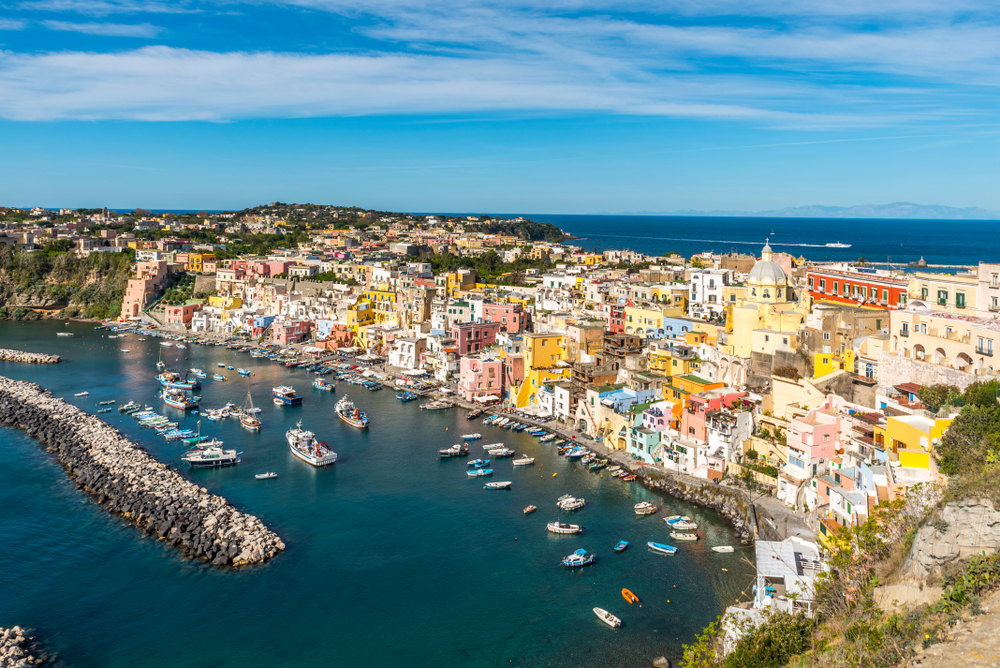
{"x":960,"y":299}
{"x":942,"y":297}
{"x":905,"y":330}
{"x":826,"y":439}
{"x":810,"y":282}
{"x":822,"y":285}
{"x":826,"y":336}
{"x":985,"y":346}
{"x":923,"y":293}
{"x":847,"y":289}
{"x":785,"y":340}
{"x":834,"y":288}
{"x":902,"y":299}
{"x":948,"y":331}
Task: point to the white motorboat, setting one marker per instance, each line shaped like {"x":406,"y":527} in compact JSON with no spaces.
{"x":266,"y":476}
{"x":64,"y":334}
{"x":523,"y":461}
{"x":681,"y":522}
{"x":498,"y":485}
{"x":723,"y":549}
{"x":607,"y":618}
{"x":81,"y":394}
{"x":570,"y":503}
{"x":677,"y":535}
{"x":211,"y":458}
{"x":645,"y":508}
{"x":559,"y":527}
{"x":492,"y":446}
{"x":304,"y":445}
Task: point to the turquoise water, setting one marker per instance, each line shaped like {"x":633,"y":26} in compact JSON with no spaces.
{"x":393,"y":556}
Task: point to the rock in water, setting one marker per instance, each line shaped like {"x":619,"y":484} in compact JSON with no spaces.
{"x":661,"y":662}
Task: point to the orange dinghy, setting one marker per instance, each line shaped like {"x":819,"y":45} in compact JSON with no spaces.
{"x":629,"y":596}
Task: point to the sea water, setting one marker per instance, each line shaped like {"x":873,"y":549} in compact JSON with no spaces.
{"x":394,"y":556}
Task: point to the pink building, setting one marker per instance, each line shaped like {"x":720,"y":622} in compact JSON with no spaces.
{"x":512,"y":317}
{"x":180,"y":315}
{"x":480,"y":377}
{"x":292,"y":331}
{"x":150,"y":278}
{"x":813,"y":441}
{"x":693,"y":417}
{"x":471,"y":337}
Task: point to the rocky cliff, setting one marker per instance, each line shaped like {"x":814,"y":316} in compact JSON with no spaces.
{"x":958,"y":530}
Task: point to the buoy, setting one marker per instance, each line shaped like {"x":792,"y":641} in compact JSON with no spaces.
{"x":554,"y":475}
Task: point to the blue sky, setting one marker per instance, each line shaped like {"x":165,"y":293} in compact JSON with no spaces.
{"x":567,"y":106}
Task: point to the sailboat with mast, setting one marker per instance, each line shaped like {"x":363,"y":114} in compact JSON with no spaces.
{"x":248,"y":414}
{"x":159,"y":361}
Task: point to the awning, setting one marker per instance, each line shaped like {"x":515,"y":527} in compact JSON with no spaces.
{"x":415,"y":372}
{"x":487,"y":398}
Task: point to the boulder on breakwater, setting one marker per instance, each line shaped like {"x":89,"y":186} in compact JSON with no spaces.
{"x":728,"y":502}
{"x":128,"y":482}
{"x":11,"y":355}
{"x":14,"y":649}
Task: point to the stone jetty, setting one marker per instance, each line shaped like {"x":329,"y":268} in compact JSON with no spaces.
{"x":127,"y":481}
{"x":14,"y":649}
{"x":11,"y":355}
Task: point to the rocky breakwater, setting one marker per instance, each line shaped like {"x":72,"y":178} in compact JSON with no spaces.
{"x":127,"y":481}
{"x":10,"y":355}
{"x":729,"y":503}
{"x":14,"y":649}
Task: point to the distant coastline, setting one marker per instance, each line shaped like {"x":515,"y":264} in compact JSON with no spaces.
{"x":896,"y":210}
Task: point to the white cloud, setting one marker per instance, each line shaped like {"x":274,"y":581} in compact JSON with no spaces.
{"x":11,"y":24}
{"x":106,"y":29}
{"x":108,"y":7}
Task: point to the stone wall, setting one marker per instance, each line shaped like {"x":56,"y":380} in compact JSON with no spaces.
{"x":130,"y":483}
{"x":10,"y":355}
{"x":895,"y":369}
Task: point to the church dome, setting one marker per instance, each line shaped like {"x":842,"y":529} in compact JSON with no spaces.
{"x":768,"y":272}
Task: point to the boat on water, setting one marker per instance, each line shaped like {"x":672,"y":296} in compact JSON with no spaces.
{"x":492,"y":446}
{"x":304,"y":445}
{"x":479,"y":473}
{"x":838,"y":245}
{"x":472,"y":437}
{"x":248,"y":419}
{"x":266,"y":476}
{"x":629,"y":596}
{"x":243,"y":372}
{"x":221,"y":365}
{"x":723,"y":549}
{"x":130,"y":407}
{"x":106,"y":403}
{"x":218,"y":376}
{"x":229,"y":367}
{"x":166,"y":344}
{"x":607,"y":618}
{"x":435,"y":405}
{"x":479,"y":463}
{"x":473,"y":414}
{"x":645,"y":508}
{"x":621,"y":545}
{"x":598,"y":464}
{"x":324,"y":385}
{"x":579,"y":558}
{"x":284,"y":395}
{"x":570,"y":503}
{"x":523,"y":461}
{"x":175,"y":380}
{"x":661,"y":547}
{"x":350,"y":414}
{"x":198,"y":372}
{"x":213,"y":457}
{"x":105,"y":410}
{"x":502,"y":452}
{"x":530,"y":509}
{"x":407,"y":396}
{"x":181,"y":346}
{"x":457,"y":450}
{"x":176,"y":398}
{"x":498,"y":485}
{"x":677,"y":535}
{"x":681,"y":522}
{"x":65,"y":334}
{"x":559,"y":527}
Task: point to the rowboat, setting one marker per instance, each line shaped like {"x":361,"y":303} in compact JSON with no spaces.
{"x":479,"y":463}
{"x":559,"y":527}
{"x":479,"y":473}
{"x":621,"y":545}
{"x":681,"y":522}
{"x":524,"y":461}
{"x":607,"y":618}
{"x":645,"y":508}
{"x":723,"y":549}
{"x":629,"y":596}
{"x":676,"y":535}
{"x":498,"y":485}
{"x":661,"y":547}
{"x":530,"y":509}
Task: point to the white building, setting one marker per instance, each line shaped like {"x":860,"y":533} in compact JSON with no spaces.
{"x":705,"y":292}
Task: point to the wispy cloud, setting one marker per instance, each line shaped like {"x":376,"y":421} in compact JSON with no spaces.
{"x":11,"y":24}
{"x":106,"y":29}
{"x":109,"y":7}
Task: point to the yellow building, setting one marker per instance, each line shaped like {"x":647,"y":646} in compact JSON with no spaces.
{"x":360,"y":314}
{"x":459,"y":281}
{"x":945,"y":292}
{"x":640,"y":319}
{"x":824,"y":363}
{"x":196,"y":261}
{"x":225,"y":301}
{"x":544,"y":360}
{"x":383,"y":302}
{"x":912,"y":437}
{"x":669,"y":361}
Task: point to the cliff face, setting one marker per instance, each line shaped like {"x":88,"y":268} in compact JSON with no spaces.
{"x":959,"y":530}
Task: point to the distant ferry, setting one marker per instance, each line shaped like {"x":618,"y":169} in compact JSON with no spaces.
{"x":838,"y":245}
{"x":284,"y":395}
{"x":304,"y":445}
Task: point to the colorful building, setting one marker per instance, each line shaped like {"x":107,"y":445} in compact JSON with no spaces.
{"x":480,"y":377}
{"x":846,"y":284}
{"x":471,"y":337}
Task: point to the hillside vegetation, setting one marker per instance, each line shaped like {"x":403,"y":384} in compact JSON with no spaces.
{"x":56,"y":283}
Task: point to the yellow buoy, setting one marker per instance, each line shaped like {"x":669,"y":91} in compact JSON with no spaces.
{"x":554,"y":475}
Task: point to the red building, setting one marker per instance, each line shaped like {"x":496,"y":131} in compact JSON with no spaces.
{"x":295,"y":331}
{"x":472,"y":337}
{"x":615,"y":315}
{"x":845,"y":284}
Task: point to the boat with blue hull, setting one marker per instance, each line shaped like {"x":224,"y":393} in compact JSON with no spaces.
{"x":662,"y":548}
{"x":407,"y":396}
{"x":350,"y":414}
{"x":479,"y":473}
{"x":578,"y":559}
{"x":284,"y":395}
{"x":178,"y":399}
{"x":175,"y":380}
{"x":324,"y":385}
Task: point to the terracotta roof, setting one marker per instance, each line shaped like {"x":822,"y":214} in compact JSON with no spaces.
{"x":909,"y":387}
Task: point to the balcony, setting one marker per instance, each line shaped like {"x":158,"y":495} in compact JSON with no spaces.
{"x":904,"y":332}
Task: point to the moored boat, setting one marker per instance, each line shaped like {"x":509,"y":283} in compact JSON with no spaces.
{"x":723,"y":549}
{"x":457,"y":450}
{"x":645,"y":508}
{"x":629,"y":596}
{"x":579,"y":558}
{"x":523,"y":461}
{"x":218,"y":376}
{"x":304,"y":445}
{"x":621,"y":545}
{"x":266,"y":476}
{"x":174,"y":379}
{"x":530,"y":509}
{"x":350,"y":414}
{"x":607,"y":618}
{"x":661,"y":547}
{"x":211,"y":458}
{"x":559,"y":527}
{"x":248,"y":413}
{"x":681,"y":522}
{"x":479,"y":473}
{"x":479,"y":463}
{"x":677,"y":535}
{"x":243,"y":372}
{"x":570,"y":503}
{"x":407,"y":396}
{"x":284,"y":395}
{"x":324,"y":385}
{"x":178,"y":399}
{"x":472,"y":437}
{"x":498,"y":485}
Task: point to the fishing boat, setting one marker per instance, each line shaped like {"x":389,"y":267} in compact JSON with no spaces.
{"x":198,"y":372}
{"x":498,"y":485}
{"x":479,"y":463}
{"x":662,"y":547}
{"x":559,"y":527}
{"x":229,"y":366}
{"x":530,"y":509}
{"x":502,"y":452}
{"x":177,"y":399}
{"x":218,"y":376}
{"x":248,"y":419}
{"x":629,"y":596}
{"x":723,"y":549}
{"x":681,"y":522}
{"x":243,"y":372}
{"x":106,"y":403}
{"x":266,"y":476}
{"x":213,"y":457}
{"x":350,"y":414}
{"x":130,"y":407}
{"x":81,"y":394}
{"x":407,"y":396}
{"x":105,"y":410}
{"x":607,"y":618}
{"x":492,"y":446}
{"x":472,"y":437}
{"x":304,"y":445}
{"x":598,"y":464}
{"x":621,"y":545}
{"x":457,"y":450}
{"x":645,"y":508}
{"x":175,"y":380}
{"x":570,"y":503}
{"x":479,"y":473}
{"x":166,"y":344}
{"x":523,"y":461}
{"x":690,"y":537}
{"x":324,"y":385}
{"x":473,"y":414}
{"x":284,"y":395}
{"x":578,"y":559}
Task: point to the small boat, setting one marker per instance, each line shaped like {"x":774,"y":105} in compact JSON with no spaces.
{"x":64,"y":334}
{"x":662,"y":547}
{"x":284,"y":395}
{"x":621,"y":545}
{"x":492,"y":446}
{"x":579,"y":558}
{"x":105,"y":410}
{"x":645,"y":508}
{"x":598,"y":464}
{"x":681,"y":522}
{"x":324,"y":385}
{"x":607,"y":618}
{"x":629,"y":478}
{"x":523,"y":461}
{"x":81,"y":394}
{"x":106,"y":403}
{"x":472,"y":437}
{"x":181,"y":346}
{"x":676,"y":535}
{"x":498,"y":485}
{"x":125,"y":350}
{"x":559,"y":527}
{"x":838,"y":245}
{"x":211,"y":458}
{"x":629,"y":596}
{"x":243,"y":372}
{"x":479,"y":463}
{"x":221,"y":365}
{"x":502,"y":452}
{"x":530,"y":509}
{"x":178,"y":399}
{"x":304,"y":445}
{"x":166,"y":344}
{"x":570,"y":503}
{"x":230,"y":367}
{"x":407,"y":396}
{"x":247,"y":413}
{"x":473,"y":414}
{"x":266,"y":476}
{"x":457,"y":450}
{"x":614,"y":469}
{"x":723,"y":549}
{"x":479,"y":473}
